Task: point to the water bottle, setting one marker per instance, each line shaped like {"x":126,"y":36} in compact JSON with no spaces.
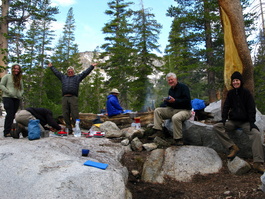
{"x":77,"y":131}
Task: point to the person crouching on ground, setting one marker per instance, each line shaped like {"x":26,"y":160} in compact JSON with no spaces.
{"x":177,"y":107}
{"x":240,"y":110}
{"x":113,"y":104}
{"x":44,"y":115}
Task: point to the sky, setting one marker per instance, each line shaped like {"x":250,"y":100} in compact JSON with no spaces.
{"x":90,"y":19}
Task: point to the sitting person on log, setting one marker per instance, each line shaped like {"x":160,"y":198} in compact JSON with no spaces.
{"x":177,"y":106}
{"x":239,"y":111}
{"x":113,"y":104}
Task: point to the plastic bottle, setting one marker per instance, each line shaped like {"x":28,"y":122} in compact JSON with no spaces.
{"x":77,"y":131}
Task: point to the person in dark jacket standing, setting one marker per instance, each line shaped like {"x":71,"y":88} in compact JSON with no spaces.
{"x":44,"y":115}
{"x":70,"y":88}
{"x":177,"y":106}
{"x":239,"y":111}
{"x":113,"y":105}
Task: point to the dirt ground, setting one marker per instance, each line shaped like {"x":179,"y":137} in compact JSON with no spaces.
{"x":220,"y":185}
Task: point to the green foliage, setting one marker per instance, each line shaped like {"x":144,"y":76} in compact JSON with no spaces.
{"x":36,"y":45}
{"x":195,"y":50}
{"x":146,"y":31}
{"x":194,"y":53}
{"x":259,"y":76}
{"x":92,"y":94}
{"x":119,"y":48}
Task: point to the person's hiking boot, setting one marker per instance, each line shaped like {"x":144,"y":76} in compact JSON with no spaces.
{"x":161,"y":142}
{"x":257,"y":166}
{"x":177,"y":142}
{"x":15,"y":130}
{"x":7,"y":135}
{"x":158,"y":133}
{"x":233,"y":151}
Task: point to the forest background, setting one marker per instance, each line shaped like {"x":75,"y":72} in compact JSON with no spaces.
{"x":127,"y":60}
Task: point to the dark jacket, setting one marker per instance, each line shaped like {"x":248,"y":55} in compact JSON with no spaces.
{"x":181,"y":94}
{"x":70,"y":85}
{"x":45,"y":117}
{"x":239,"y":106}
{"x":113,"y":105}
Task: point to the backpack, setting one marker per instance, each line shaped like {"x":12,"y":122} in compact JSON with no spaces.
{"x":197,"y":104}
{"x":34,"y":129}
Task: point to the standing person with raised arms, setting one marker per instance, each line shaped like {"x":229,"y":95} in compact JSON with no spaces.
{"x":70,"y":88}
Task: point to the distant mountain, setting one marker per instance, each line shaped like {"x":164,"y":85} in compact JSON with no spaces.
{"x":87,"y":57}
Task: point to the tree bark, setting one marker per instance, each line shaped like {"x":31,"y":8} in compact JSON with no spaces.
{"x":3,"y":37}
{"x":209,"y":55}
{"x":237,"y":54}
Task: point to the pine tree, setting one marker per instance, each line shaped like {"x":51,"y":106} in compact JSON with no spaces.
{"x":145,"y":41}
{"x":66,"y":50}
{"x":193,"y":40}
{"x":196,"y":46}
{"x":119,"y":49}
{"x":259,"y":75}
{"x":37,"y":47}
{"x":14,"y":15}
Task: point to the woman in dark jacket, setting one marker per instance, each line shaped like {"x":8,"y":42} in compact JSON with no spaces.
{"x":239,"y":111}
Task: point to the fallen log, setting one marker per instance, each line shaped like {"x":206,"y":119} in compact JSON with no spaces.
{"x":122,"y":120}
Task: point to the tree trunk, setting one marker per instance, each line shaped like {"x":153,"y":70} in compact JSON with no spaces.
{"x":209,"y":55}
{"x":3,"y":37}
{"x":237,"y":54}
{"x":122,"y":120}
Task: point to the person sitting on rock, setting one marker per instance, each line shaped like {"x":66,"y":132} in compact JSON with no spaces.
{"x":113,"y":104}
{"x":239,"y":111}
{"x":176,"y":107}
{"x":44,"y":115}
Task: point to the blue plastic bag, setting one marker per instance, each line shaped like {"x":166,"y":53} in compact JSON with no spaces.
{"x":197,"y":104}
{"x":34,"y":129}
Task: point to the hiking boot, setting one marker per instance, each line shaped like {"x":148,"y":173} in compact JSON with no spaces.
{"x":158,"y":133}
{"x":161,"y":142}
{"x":7,"y":135}
{"x":177,"y":142}
{"x":233,"y":151}
{"x":15,"y":130}
{"x":257,"y":166}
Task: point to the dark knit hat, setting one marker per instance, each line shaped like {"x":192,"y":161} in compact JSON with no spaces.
{"x":236,"y":75}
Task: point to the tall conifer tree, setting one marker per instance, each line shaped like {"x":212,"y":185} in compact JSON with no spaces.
{"x":119,"y":49}
{"x":145,"y":41}
{"x":37,"y":47}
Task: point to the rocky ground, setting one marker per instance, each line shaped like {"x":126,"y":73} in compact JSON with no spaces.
{"x":220,"y":185}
